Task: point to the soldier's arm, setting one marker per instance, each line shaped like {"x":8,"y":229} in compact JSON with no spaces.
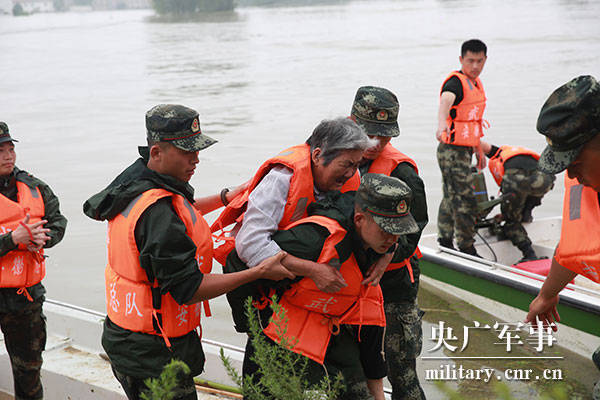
{"x":407,"y":244}
{"x":446,"y":101}
{"x":304,"y":243}
{"x":168,"y":255}
{"x":6,"y":244}
{"x":210,"y":203}
{"x":57,"y":223}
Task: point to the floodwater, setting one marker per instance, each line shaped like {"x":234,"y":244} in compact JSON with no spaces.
{"x":75,"y":88}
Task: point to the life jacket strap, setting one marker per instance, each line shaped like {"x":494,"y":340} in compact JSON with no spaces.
{"x":23,"y":291}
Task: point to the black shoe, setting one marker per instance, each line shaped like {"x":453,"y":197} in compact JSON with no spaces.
{"x":470,"y":251}
{"x":528,"y":252}
{"x":446,"y":243}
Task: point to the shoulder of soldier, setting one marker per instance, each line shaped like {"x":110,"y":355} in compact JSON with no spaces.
{"x":34,"y":182}
{"x":406,"y":172}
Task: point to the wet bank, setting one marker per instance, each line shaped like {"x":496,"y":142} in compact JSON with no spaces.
{"x":475,"y":363}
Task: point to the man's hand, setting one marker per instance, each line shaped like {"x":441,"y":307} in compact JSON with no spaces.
{"x":38,"y":237}
{"x":377,"y":270}
{"x":544,"y":309}
{"x":481,"y":161}
{"x":440,"y":131}
{"x":328,"y":279}
{"x":272,"y":269}
{"x":233,"y":193}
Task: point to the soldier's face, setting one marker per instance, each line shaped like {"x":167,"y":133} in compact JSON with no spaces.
{"x":472,"y":63}
{"x":371,"y":234}
{"x":170,"y":160}
{"x":585,"y":167}
{"x":8,"y":157}
{"x":373,"y":152}
{"x":333,"y":175}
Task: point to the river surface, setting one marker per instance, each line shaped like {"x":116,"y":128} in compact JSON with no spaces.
{"x":75,"y":86}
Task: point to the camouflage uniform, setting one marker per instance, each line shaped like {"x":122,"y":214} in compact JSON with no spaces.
{"x":458,"y":209}
{"x":25,"y":338}
{"x":570,"y":119}
{"x":21,"y":320}
{"x":403,"y":343}
{"x":376,"y":110}
{"x":521,"y":184}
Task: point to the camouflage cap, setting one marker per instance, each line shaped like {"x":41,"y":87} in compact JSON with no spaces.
{"x":5,"y":134}
{"x":376,"y":109}
{"x":178,"y":125}
{"x":388,"y":200}
{"x":569,"y":119}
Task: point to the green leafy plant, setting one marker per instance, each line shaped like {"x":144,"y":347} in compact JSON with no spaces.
{"x":282,"y":374}
{"x":163,"y":387}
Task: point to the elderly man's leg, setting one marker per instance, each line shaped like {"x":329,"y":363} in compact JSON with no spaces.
{"x":25,"y":339}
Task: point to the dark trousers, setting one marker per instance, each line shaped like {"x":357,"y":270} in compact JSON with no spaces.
{"x":25,"y":339}
{"x":134,"y":387}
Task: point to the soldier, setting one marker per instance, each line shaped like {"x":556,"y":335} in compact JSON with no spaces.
{"x":30,"y":221}
{"x":376,"y":110}
{"x":515,"y":170}
{"x":351,"y":230}
{"x":160,"y":256}
{"x":460,"y":126}
{"x":570,"y":120}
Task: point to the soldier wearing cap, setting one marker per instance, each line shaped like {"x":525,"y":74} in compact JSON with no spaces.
{"x":30,"y":221}
{"x":160,"y":256}
{"x":350,"y":231}
{"x":515,"y":170}
{"x":570,"y":120}
{"x":460,"y":127}
{"x":376,"y":110}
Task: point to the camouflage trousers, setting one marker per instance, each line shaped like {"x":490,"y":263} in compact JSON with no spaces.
{"x":458,"y":209}
{"x":521,"y":184}
{"x":134,"y":387}
{"x":403,"y":343}
{"x":25,"y":339}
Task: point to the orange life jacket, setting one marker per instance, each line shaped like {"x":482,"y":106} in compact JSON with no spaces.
{"x":579,"y":246}
{"x":20,"y":267}
{"x":496,"y":163}
{"x":387,"y":161}
{"x":300,"y":195}
{"x":313,"y":316}
{"x":132,"y":301}
{"x":466,"y":128}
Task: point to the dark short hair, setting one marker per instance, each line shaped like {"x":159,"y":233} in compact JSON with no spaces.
{"x":474,"y":46}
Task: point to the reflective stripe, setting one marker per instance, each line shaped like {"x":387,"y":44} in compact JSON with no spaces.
{"x":575,"y":202}
{"x":470,"y":84}
{"x":190,"y":209}
{"x":300,"y":209}
{"x":129,"y":207}
{"x":34,"y":193}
